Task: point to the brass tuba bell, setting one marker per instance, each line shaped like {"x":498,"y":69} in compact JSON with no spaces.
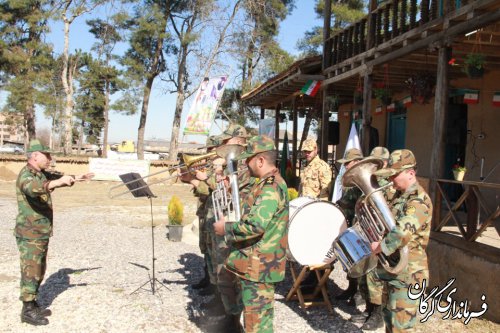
{"x":372,"y":212}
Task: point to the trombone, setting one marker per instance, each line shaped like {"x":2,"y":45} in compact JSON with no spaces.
{"x":224,"y":151}
{"x":189,"y":161}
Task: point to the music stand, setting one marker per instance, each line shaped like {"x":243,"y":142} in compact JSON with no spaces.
{"x":138,"y":187}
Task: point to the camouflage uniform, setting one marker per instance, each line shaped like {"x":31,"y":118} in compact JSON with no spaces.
{"x":33,"y":228}
{"x":226,"y":281}
{"x":316,"y":177}
{"x":258,"y":243}
{"x":412,"y":210}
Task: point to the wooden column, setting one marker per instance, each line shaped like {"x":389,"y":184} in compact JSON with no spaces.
{"x":439,"y":127}
{"x":294,"y":139}
{"x":367,"y":104}
{"x":327,"y":52}
{"x":277,"y":126}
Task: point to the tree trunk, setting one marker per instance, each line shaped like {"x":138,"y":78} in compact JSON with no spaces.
{"x":29,"y":117}
{"x":80,"y":136}
{"x":106,"y":122}
{"x":68,"y":89}
{"x":144,"y":115}
{"x":179,"y":104}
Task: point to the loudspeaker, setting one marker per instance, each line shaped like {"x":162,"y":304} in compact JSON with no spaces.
{"x":333,"y":133}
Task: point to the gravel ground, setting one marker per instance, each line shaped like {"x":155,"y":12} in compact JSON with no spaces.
{"x":98,"y":257}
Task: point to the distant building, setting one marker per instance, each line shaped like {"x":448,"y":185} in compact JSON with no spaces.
{"x":9,"y":131}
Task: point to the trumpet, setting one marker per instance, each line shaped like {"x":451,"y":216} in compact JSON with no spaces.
{"x":190,"y":163}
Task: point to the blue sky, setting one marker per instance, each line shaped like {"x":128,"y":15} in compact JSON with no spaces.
{"x":161,"y":108}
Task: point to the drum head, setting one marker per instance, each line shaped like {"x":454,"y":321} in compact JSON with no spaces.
{"x":296,"y":203}
{"x":312,"y":230}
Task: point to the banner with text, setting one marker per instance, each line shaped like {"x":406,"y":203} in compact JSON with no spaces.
{"x":109,"y":169}
{"x":203,"y":109}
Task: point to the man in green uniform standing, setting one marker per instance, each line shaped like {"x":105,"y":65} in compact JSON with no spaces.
{"x":347,"y":202}
{"x":258,"y":241}
{"x":412,"y":211}
{"x":34,"y":226}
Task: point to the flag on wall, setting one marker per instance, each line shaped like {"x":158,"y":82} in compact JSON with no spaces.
{"x":346,"y":114}
{"x":407,"y":101}
{"x":378,"y":110}
{"x":391,"y":107}
{"x":203,"y":109}
{"x":311,"y":88}
{"x":496,"y":99}
{"x":472,"y":97}
{"x":352,"y":142}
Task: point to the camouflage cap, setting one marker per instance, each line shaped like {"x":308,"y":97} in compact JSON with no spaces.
{"x":351,"y":155}
{"x":257,"y":144}
{"x":213,"y":141}
{"x":380,"y":152}
{"x":36,"y":145}
{"x":400,"y":160}
{"x":309,"y":145}
{"x":234,"y":131}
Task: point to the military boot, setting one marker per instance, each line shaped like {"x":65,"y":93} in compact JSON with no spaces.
{"x":350,"y":291}
{"x":43,"y":311}
{"x":31,"y":315}
{"x":360,"y":318}
{"x":375,"y":320}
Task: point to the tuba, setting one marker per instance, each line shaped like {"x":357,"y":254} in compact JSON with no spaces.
{"x":225,"y":205}
{"x":372,"y":212}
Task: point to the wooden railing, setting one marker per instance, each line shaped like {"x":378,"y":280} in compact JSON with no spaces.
{"x":389,"y":20}
{"x":479,"y":215}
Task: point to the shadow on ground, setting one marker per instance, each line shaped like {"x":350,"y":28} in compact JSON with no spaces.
{"x":58,"y":283}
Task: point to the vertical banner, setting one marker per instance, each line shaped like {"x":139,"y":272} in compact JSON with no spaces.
{"x":267,"y":127}
{"x":203,"y":109}
{"x":352,"y":142}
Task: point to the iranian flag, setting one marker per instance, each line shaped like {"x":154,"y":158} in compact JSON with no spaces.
{"x":496,"y":99}
{"x":472,"y":97}
{"x":346,"y":114}
{"x":378,"y":110}
{"x":311,"y":88}
{"x":391,"y":107}
{"x":407,"y":101}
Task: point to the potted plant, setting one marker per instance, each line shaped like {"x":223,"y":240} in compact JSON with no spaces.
{"x":175,"y":217}
{"x":458,"y":172}
{"x":382,"y":93}
{"x":474,"y":65}
{"x":421,"y":86}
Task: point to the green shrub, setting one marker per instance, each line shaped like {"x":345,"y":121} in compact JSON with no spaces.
{"x":175,"y":211}
{"x":292,"y":194}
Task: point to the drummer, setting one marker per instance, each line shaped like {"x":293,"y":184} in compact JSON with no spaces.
{"x":315,"y":180}
{"x":347,"y":203}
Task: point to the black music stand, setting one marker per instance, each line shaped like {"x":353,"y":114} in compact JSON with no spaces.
{"x":138,"y":187}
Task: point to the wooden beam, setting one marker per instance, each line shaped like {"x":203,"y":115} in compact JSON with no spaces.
{"x":439,"y":126}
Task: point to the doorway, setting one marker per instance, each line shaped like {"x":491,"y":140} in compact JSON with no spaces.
{"x":396,"y":129}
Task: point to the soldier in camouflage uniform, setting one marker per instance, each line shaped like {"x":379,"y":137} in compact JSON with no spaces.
{"x":34,"y":226}
{"x":412,"y":210}
{"x":202,"y":190}
{"x":347,"y":202}
{"x":316,"y":178}
{"x":381,"y":153}
{"x":225,"y":281}
{"x":258,"y":241}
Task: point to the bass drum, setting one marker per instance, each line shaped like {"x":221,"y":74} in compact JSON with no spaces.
{"x":313,"y":227}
